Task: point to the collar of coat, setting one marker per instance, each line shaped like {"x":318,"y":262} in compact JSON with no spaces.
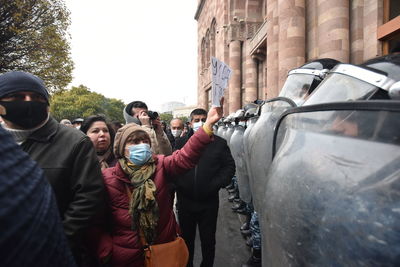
{"x":45,"y":133}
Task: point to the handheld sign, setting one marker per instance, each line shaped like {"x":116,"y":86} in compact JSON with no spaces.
{"x":220,"y":77}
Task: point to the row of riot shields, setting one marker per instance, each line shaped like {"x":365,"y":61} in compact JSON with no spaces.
{"x":332,"y":192}
{"x":324,"y":177}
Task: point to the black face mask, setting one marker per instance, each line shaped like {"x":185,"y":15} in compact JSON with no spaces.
{"x":26,"y":114}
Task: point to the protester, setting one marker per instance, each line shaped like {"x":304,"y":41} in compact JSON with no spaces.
{"x":66,"y":122}
{"x":102,"y":136}
{"x":76,"y":123}
{"x":138,"y":192}
{"x":176,"y":131}
{"x":31,"y":229}
{"x":197,"y":191}
{"x":137,"y":112}
{"x":67,"y":156}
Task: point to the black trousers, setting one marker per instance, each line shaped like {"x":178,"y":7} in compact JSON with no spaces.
{"x":206,"y":219}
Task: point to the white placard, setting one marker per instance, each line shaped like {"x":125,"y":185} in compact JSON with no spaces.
{"x":220,"y":77}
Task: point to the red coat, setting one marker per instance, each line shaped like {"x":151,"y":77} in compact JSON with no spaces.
{"x":119,"y":240}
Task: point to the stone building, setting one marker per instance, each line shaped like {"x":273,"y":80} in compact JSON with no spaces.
{"x":261,"y":40}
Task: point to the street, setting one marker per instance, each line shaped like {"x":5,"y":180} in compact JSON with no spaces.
{"x":231,"y":249}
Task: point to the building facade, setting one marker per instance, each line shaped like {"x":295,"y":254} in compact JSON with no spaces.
{"x":261,"y":40}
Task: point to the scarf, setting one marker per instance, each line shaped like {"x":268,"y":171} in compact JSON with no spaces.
{"x":143,"y":206}
{"x":103,"y":157}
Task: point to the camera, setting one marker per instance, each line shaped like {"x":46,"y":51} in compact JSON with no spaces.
{"x":153,"y":115}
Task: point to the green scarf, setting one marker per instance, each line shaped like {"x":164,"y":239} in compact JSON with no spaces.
{"x":143,"y":206}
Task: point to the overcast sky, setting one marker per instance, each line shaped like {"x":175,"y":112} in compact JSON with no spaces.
{"x":136,"y":50}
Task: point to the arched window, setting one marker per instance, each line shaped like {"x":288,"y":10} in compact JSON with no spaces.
{"x":203,"y":54}
{"x":213,"y":32}
{"x":208,"y":59}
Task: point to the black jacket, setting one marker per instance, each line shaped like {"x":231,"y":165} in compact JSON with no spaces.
{"x":70,"y":164}
{"x":31,"y":230}
{"x":199,"y":187}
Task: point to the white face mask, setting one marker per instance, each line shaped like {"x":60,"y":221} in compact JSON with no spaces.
{"x":197,"y":125}
{"x":176,"y":133}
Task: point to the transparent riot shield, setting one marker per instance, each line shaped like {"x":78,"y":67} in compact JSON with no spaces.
{"x":260,"y":146}
{"x":236,"y":146}
{"x":221,"y":131}
{"x":229,"y":132}
{"x":250,"y":124}
{"x":333,"y":192}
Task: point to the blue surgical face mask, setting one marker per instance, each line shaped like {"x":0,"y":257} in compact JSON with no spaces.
{"x":139,"y":154}
{"x":197,"y":125}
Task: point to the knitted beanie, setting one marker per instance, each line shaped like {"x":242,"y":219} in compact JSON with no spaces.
{"x":122,"y":135}
{"x":17,"y":81}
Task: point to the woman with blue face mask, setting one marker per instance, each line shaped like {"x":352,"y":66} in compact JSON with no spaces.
{"x":138,"y":187}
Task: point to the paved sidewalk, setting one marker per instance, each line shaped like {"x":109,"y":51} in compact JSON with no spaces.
{"x":231,"y":250}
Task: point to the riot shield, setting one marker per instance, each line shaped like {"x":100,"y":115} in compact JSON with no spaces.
{"x":250,"y":124}
{"x":221,"y":131}
{"x":260,"y":146}
{"x":236,"y":146}
{"x":333,"y":192}
{"x":229,"y":132}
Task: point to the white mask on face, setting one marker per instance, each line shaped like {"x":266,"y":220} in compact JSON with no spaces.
{"x":176,"y":133}
{"x":197,"y":125}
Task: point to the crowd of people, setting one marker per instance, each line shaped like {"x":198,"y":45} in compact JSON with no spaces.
{"x":117,"y":188}
{"x":114,"y":185}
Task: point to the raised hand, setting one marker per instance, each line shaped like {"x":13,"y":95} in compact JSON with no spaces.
{"x":214,"y":115}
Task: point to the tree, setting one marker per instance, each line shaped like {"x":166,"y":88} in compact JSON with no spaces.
{"x":80,"y":102}
{"x":167,"y":117}
{"x":34,"y":38}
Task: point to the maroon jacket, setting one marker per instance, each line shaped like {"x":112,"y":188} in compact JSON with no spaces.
{"x":119,"y":240}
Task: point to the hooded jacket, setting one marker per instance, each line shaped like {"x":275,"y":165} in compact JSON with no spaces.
{"x":116,"y":239}
{"x":159,"y":144}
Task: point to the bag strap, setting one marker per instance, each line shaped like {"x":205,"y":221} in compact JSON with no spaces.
{"x":141,"y":234}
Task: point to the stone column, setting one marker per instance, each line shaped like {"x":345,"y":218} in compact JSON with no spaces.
{"x":292,"y":41}
{"x":312,"y":30}
{"x":333,"y":29}
{"x":373,"y":17}
{"x":272,"y":49}
{"x":357,"y":31}
{"x":235,"y":53}
{"x":251,"y":80}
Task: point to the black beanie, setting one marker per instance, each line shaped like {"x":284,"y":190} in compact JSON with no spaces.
{"x":17,"y":81}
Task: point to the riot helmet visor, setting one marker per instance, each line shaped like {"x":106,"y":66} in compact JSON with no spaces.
{"x":296,"y":87}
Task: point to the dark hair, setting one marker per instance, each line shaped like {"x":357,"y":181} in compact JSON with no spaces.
{"x":197,"y":111}
{"x":87,"y":123}
{"x":135,"y":104}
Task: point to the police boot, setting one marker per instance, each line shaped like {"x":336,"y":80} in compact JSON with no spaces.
{"x":237,"y":199}
{"x":230,"y":186}
{"x":232,"y":190}
{"x":254,"y":260}
{"x":231,"y":197}
{"x":239,"y":206}
{"x":245,"y":229}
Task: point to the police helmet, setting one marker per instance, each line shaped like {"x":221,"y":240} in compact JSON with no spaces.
{"x":302,"y":81}
{"x":374,"y":79}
